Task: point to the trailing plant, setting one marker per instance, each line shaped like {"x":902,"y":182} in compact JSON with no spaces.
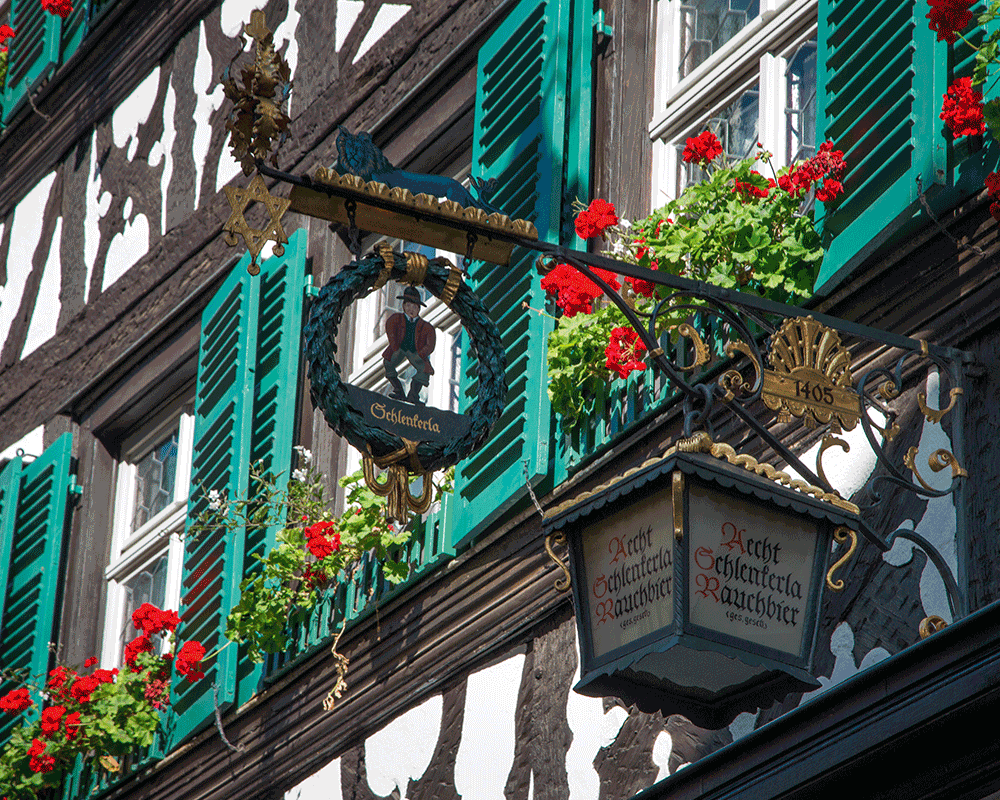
{"x":735,"y":228}
{"x":313,"y":551}
{"x":97,"y":714}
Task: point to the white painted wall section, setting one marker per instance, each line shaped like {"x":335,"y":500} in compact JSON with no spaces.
{"x":387,"y":16}
{"x":206,"y":103}
{"x":165,"y":149}
{"x":234,"y":14}
{"x":403,"y":749}
{"x":347,"y":14}
{"x":31,"y":443}
{"x":45,"y":315}
{"x":486,"y":752}
{"x":127,"y":247}
{"x":25,"y":236}
{"x":322,"y":785}
{"x":97,"y":205}
{"x":133,"y":112}
{"x":592,"y":729}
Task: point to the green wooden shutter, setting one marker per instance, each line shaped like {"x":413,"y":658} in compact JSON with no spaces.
{"x":244,"y":411}
{"x":526,"y":130}
{"x":32,"y":526}
{"x":33,"y":53}
{"x":881,"y":78}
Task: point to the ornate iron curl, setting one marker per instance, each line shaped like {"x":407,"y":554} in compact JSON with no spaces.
{"x":329,"y":393}
{"x":956,"y":600}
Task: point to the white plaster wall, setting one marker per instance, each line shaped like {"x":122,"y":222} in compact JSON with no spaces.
{"x":25,"y":236}
{"x":387,"y":16}
{"x":164,"y":149}
{"x":45,"y":315}
{"x":127,"y":247}
{"x":403,"y":749}
{"x":133,"y":112}
{"x":31,"y":443}
{"x":322,"y":785}
{"x":592,"y":729}
{"x":97,"y":205}
{"x":486,"y":751}
{"x":347,"y":14}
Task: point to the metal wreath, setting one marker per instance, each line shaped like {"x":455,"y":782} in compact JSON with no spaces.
{"x":328,"y":392}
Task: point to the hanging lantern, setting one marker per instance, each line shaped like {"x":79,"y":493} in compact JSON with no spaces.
{"x":697,"y":582}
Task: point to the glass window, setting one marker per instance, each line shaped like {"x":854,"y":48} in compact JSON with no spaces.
{"x":150,"y":505}
{"x":706,"y":25}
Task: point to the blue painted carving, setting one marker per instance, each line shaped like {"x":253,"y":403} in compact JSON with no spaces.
{"x":358,"y":155}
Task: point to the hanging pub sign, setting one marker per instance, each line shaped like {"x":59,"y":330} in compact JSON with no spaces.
{"x":697,"y":579}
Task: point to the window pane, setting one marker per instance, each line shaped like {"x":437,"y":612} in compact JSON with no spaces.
{"x":149,"y":586}
{"x":736,"y":128}
{"x":801,"y":110}
{"x":706,"y":25}
{"x":154,"y":481}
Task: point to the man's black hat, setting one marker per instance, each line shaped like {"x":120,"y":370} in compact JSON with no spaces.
{"x":411,"y":295}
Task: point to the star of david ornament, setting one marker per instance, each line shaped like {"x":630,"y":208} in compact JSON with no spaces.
{"x":237,"y":225}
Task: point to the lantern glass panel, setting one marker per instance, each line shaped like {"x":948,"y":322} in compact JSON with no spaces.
{"x":752,"y":570}
{"x":628,"y":561}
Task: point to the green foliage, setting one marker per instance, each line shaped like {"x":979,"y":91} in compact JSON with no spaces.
{"x":3,"y":69}
{"x":291,"y":580}
{"x":577,"y":374}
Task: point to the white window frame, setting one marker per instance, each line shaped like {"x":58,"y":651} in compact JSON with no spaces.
{"x":757,"y":53}
{"x":134,"y":551}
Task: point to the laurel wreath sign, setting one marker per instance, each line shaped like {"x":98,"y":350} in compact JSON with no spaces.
{"x":328,"y":391}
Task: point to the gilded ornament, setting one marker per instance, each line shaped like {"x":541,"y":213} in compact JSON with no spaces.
{"x":700,"y":349}
{"x":257,"y":120}
{"x":558,"y":537}
{"x":255,"y":238}
{"x":841,"y":535}
{"x":937,"y":461}
{"x":811,"y":376}
{"x":936,"y":415}
{"x":931,"y":625}
{"x":828,"y":442}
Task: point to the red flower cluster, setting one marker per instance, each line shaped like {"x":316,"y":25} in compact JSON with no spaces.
{"x":827,"y":166}
{"x":141,"y":644}
{"x":318,"y":543}
{"x":52,"y":720}
{"x":575,"y":292}
{"x":152,"y":620}
{"x":314,"y":577}
{"x":62,"y":8}
{"x":188,"y":661}
{"x":624,"y":351}
{"x":702,"y":148}
{"x":599,"y":216}
{"x":993,"y":187}
{"x":6,"y":32}
{"x":962,"y":109}
{"x":39,"y":761}
{"x":747,"y":190}
{"x":15,"y":701}
{"x":948,"y":17}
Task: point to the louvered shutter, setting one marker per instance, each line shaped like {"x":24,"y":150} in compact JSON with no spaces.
{"x":244,"y":412}
{"x":523,"y":139}
{"x":881,"y":78}
{"x":33,"y":53}
{"x":32,"y":527}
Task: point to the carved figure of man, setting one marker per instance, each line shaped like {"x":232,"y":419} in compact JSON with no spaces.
{"x":411,"y":339}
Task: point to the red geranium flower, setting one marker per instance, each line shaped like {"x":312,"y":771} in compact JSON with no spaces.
{"x":993,"y":183}
{"x":318,"y":543}
{"x":599,"y":216}
{"x":188,"y":660}
{"x":52,"y":720}
{"x":40,"y":762}
{"x":90,"y":662}
{"x":575,"y":292}
{"x":748,"y":190}
{"x":829,"y":190}
{"x":6,"y":32}
{"x":72,"y":725}
{"x":702,"y":148}
{"x":152,"y":620}
{"x":948,"y":17}
{"x":962,"y":109}
{"x":83,"y":687}
{"x":624,"y":351}
{"x":15,"y":701}
{"x":141,"y":644}
{"x":62,"y":8}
